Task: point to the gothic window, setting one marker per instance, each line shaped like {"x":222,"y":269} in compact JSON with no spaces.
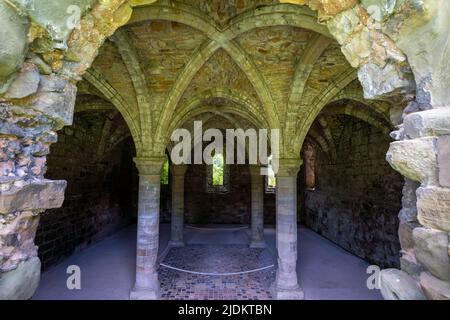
{"x":165,"y":172}
{"x":271,"y":180}
{"x":217,"y":175}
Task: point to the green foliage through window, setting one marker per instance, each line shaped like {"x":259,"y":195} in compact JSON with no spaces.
{"x":271,"y":180}
{"x":165,"y":172}
{"x":218,"y":166}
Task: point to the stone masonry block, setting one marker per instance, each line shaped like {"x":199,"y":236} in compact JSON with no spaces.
{"x":443,"y":147}
{"x":433,"y":208}
{"x":431,"y":250}
{"x":45,"y":194}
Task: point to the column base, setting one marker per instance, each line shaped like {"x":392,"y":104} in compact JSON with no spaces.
{"x":145,"y":294}
{"x":258,"y":245}
{"x":176,"y":244}
{"x":286,"y":294}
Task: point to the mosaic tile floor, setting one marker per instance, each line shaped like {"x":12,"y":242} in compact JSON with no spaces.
{"x":177,"y":285}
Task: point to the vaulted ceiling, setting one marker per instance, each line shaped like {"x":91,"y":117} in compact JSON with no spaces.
{"x":271,"y":64}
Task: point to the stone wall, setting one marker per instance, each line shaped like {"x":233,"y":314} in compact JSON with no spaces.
{"x":358,"y":195}
{"x":98,"y":200}
{"x":231,"y":207}
{"x":399,"y":40}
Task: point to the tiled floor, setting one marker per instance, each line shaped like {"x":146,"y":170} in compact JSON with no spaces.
{"x":219,"y":260}
{"x":108,"y":268}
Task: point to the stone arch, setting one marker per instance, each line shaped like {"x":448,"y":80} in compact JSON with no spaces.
{"x":131,"y":60}
{"x":238,"y":107}
{"x":105,"y":17}
{"x":275,"y":15}
{"x":328,"y":136}
{"x":312,"y":53}
{"x":97,"y":105}
{"x":122,"y":11}
{"x":199,"y":57}
{"x":248,"y":111}
{"x":99,"y":82}
{"x":313,"y":110}
{"x":321,"y":142}
{"x":267,"y":16}
{"x":380,"y":105}
{"x":109,"y":131}
{"x":205,"y":114}
{"x":358,"y":112}
{"x":272,"y":15}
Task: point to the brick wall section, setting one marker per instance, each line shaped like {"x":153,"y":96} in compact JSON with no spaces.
{"x":98,"y":200}
{"x":358,"y":196}
{"x":165,"y":206}
{"x":233,"y":207}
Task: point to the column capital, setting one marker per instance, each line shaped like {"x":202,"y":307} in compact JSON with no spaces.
{"x":149,"y":165}
{"x":288,"y":167}
{"x":178,"y":170}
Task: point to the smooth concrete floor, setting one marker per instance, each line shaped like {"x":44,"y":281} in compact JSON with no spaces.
{"x":108,"y":268}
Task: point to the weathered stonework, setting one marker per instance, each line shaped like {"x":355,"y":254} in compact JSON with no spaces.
{"x":147,"y":284}
{"x":431,"y":249}
{"x":37,"y":106}
{"x":415,"y":159}
{"x":443,"y":147}
{"x":286,"y":286}
{"x":434,"y":288}
{"x":20,"y":283}
{"x":282,"y":69}
{"x":433,"y":205}
{"x":398,"y":285}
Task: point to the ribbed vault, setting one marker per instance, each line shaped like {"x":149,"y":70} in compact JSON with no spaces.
{"x":273,"y":63}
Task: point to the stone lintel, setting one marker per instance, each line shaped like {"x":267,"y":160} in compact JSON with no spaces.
{"x":45,"y":194}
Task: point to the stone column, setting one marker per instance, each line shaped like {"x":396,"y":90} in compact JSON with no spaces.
{"x":147,"y":283}
{"x":286,"y":283}
{"x":177,"y":223}
{"x":257,"y":219}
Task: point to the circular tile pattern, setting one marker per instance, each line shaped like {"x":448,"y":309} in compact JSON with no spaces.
{"x":217,"y":259}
